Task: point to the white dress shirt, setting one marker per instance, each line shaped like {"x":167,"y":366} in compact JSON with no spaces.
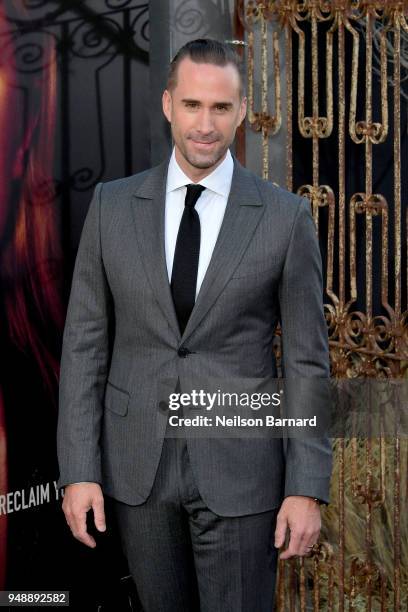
{"x":210,"y":208}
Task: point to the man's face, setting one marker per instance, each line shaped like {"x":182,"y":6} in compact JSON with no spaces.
{"x":204,"y":109}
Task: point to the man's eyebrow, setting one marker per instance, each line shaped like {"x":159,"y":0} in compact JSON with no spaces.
{"x":226,"y":104}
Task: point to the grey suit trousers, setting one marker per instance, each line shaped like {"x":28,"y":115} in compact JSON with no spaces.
{"x":185,"y":558}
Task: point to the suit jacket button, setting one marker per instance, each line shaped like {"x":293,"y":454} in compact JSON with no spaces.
{"x":183,"y":351}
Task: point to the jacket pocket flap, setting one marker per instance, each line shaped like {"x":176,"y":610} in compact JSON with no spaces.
{"x":116,"y":399}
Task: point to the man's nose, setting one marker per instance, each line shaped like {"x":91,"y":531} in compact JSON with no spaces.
{"x":205,"y":123}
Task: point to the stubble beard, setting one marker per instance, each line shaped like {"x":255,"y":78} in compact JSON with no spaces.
{"x":203,"y":161}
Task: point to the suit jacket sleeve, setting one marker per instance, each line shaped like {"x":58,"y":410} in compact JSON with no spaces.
{"x":85,"y":357}
{"x":305,"y":356}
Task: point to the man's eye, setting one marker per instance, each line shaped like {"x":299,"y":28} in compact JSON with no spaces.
{"x":220,"y":108}
{"x":191,"y":104}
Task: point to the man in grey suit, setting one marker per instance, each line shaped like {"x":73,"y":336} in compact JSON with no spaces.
{"x":182,"y":270}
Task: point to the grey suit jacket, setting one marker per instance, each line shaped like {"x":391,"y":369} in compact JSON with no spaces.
{"x":121,"y":337}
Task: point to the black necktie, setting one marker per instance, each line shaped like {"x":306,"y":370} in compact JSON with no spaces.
{"x":185,"y":263}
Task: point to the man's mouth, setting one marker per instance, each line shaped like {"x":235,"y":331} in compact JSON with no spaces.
{"x":204,"y":144}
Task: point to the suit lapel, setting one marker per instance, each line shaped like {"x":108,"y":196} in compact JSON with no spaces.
{"x":243,"y":212}
{"x":148,"y":207}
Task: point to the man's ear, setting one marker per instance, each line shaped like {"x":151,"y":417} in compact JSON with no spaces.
{"x":242,"y":110}
{"x":166,"y":104}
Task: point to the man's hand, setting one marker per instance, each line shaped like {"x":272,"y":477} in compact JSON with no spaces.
{"x":302,"y":516}
{"x":78,"y":499}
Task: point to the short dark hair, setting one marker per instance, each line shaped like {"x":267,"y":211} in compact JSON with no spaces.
{"x":205,"y":51}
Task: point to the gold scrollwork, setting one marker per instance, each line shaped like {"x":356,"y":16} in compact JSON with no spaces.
{"x":364,"y":342}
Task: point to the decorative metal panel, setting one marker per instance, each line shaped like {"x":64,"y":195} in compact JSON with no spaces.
{"x":343,"y":67}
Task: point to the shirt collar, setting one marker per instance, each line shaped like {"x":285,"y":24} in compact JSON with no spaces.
{"x":219,"y":181}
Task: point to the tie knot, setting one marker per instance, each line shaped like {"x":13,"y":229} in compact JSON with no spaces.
{"x":192,"y":194}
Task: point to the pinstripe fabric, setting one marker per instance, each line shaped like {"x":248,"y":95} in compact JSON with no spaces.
{"x":121,"y":337}
{"x":185,"y":558}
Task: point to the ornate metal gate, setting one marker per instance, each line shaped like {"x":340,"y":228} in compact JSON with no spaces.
{"x":342,"y":67}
